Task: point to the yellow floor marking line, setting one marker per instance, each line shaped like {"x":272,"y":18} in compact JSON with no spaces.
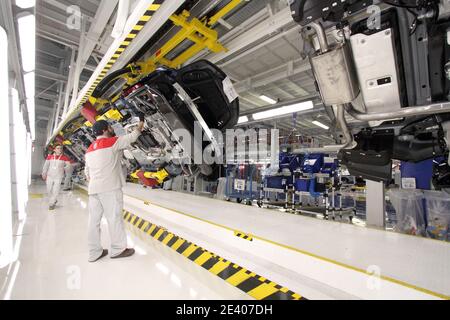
{"x":36,"y":196}
{"x":313,"y":255}
{"x":243,"y":235}
{"x":235,"y":275}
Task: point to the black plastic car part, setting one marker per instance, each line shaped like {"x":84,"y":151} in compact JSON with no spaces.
{"x":418,"y":141}
{"x":109,"y":80}
{"x":372,"y":157}
{"x":441,"y":174}
{"x":307,"y":11}
{"x":203,"y":81}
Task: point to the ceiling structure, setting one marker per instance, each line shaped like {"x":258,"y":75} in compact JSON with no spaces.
{"x":59,"y":41}
{"x":264,"y":57}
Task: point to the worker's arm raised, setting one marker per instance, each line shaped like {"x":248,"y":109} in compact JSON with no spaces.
{"x":125,"y":142}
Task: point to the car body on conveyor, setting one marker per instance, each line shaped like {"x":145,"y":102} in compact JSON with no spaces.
{"x":174,"y":102}
{"x":382,"y":69}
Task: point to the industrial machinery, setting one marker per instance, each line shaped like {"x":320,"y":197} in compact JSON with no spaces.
{"x":308,"y":183}
{"x":174,"y":103}
{"x":186,"y":105}
{"x":383,"y":66}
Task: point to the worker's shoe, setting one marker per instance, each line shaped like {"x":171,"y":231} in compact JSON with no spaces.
{"x":125,"y":254}
{"x":104,"y":254}
{"x":52,"y":207}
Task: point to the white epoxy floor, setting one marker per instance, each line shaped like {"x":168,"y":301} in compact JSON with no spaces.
{"x":52,"y":263}
{"x":417,"y":261}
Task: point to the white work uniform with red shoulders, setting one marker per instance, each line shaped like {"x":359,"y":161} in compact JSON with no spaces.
{"x":54,"y":169}
{"x":106,"y":180}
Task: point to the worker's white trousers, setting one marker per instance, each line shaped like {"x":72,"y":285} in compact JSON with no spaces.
{"x":109,"y":204}
{"x":53,"y":188}
{"x":68,"y":178}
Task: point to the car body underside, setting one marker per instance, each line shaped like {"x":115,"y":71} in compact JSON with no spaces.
{"x":175,"y":103}
{"x":382,"y":69}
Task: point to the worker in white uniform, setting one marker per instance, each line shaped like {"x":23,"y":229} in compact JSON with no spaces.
{"x":106,"y":179}
{"x":53,"y":173}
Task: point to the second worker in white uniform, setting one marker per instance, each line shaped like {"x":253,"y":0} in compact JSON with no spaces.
{"x":106,"y":180}
{"x":53,"y":173}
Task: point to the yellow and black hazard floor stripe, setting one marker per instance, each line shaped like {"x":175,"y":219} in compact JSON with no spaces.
{"x":254,"y":285}
{"x":244,"y":236}
{"x":124,"y":45}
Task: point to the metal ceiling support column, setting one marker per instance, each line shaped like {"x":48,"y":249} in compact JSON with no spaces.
{"x":120,"y":47}
{"x":59,"y":107}
{"x":50,"y":123}
{"x":78,"y":65}
{"x":376,"y":204}
{"x":275,"y":148}
{"x":69,"y":82}
{"x":60,"y":101}
{"x":102,"y":16}
{"x":13,"y":53}
{"x":121,"y":19}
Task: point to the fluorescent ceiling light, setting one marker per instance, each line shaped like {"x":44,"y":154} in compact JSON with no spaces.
{"x":25,"y":4}
{"x":320,"y":124}
{"x":267,"y":99}
{"x":303,"y":106}
{"x":243,"y":119}
{"x":29,"y":79}
{"x":27,"y":35}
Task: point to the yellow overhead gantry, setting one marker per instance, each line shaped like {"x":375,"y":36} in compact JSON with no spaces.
{"x":200,"y":32}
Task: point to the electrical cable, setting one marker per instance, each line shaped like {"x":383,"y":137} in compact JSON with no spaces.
{"x":419,"y":5}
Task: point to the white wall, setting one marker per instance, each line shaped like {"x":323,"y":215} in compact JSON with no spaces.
{"x":38,"y":154}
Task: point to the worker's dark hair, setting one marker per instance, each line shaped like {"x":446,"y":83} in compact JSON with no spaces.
{"x":100,"y":127}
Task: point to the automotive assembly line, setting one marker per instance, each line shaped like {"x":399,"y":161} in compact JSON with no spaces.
{"x":241,"y":150}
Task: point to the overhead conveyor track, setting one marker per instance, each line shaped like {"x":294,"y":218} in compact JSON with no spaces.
{"x":197,"y":30}
{"x":142,"y":14}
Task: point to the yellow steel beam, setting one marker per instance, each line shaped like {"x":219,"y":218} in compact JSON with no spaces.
{"x":224,"y":11}
{"x":186,"y":55}
{"x":194,"y":30}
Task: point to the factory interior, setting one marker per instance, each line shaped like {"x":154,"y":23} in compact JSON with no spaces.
{"x":247,"y":150}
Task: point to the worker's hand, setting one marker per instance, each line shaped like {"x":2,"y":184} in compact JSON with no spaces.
{"x":44,"y":177}
{"x":141,"y":116}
